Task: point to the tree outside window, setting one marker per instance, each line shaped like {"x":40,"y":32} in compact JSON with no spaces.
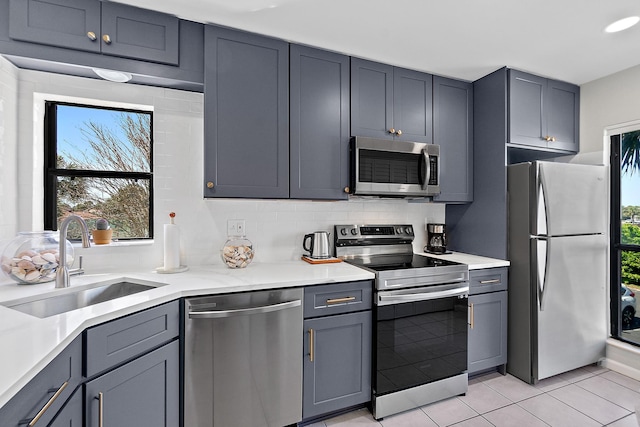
{"x":99,"y":165}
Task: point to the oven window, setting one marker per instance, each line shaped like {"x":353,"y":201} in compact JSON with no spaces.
{"x":419,"y":342}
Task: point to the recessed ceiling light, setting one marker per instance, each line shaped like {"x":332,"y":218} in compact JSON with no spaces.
{"x":622,"y":24}
{"x":113,"y":76}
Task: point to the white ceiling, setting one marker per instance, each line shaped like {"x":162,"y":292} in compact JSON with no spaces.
{"x":465,"y":39}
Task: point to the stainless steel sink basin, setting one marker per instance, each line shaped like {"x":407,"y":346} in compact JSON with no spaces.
{"x":73,"y":300}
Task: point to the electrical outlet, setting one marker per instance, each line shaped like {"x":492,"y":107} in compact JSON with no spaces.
{"x":236,"y":227}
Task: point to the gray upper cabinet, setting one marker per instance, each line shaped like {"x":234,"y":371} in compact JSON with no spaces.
{"x":453,"y":131}
{"x":543,"y":113}
{"x":64,"y":23}
{"x":95,"y":26}
{"x":390,"y":102}
{"x":246,"y":112}
{"x":319,"y":114}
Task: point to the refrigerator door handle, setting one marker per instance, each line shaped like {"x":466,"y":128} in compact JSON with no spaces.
{"x":541,"y":251}
{"x":542,"y":214}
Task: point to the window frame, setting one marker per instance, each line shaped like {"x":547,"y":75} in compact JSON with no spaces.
{"x":51,"y":172}
{"x":615,"y":260}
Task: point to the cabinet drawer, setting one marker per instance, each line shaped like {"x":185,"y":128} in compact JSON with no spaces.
{"x":488,"y":280}
{"x":47,"y":386}
{"x":112,"y":343}
{"x":324,"y":300}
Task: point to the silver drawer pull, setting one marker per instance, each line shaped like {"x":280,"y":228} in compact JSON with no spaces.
{"x":339,"y":300}
{"x":486,"y":282}
{"x":48,"y":404}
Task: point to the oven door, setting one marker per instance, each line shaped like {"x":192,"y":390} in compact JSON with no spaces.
{"x":420,"y":336}
{"x":394,"y":168}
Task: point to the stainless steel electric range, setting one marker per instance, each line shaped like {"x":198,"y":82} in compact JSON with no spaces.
{"x":420,"y":317}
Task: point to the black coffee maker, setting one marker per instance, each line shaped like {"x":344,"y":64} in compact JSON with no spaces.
{"x":436,"y":239}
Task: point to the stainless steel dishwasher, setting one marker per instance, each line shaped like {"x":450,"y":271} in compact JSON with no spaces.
{"x":243,"y":359}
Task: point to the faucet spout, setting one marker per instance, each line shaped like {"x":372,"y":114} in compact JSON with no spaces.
{"x":62,"y":273}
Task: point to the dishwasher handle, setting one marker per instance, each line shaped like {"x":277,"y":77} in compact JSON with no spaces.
{"x":217,"y":314}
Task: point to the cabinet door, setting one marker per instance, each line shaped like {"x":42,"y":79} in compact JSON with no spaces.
{"x":246,"y":110}
{"x":371,"y":99}
{"x":139,"y":33}
{"x":453,"y":131}
{"x":47,"y":391}
{"x":144,"y":392}
{"x":488,"y":331}
{"x":64,"y":23}
{"x":71,"y":413}
{"x":527,"y":123}
{"x":412,"y":105}
{"x":319,"y":143}
{"x":337,"y":367}
{"x":563,"y":115}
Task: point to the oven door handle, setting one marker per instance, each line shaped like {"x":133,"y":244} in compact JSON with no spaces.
{"x":385,"y":298}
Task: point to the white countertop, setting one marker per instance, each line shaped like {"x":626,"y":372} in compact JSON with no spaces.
{"x":475,"y":262}
{"x":30,"y":343}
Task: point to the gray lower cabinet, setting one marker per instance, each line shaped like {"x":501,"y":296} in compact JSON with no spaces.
{"x":543,"y":113}
{"x":246,"y":110}
{"x":71,"y":414}
{"x":144,"y":392}
{"x":319,"y":126}
{"x":46,"y":393}
{"x":488,"y":315}
{"x":390,"y":102}
{"x":97,"y":26}
{"x":337,"y":349}
{"x":453,"y":131}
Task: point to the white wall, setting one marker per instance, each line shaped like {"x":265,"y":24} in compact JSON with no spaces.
{"x":606,"y":102}
{"x":275,"y":227}
{"x":8,"y":154}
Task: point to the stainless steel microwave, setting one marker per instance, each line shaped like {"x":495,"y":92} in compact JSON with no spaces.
{"x":394,"y":168}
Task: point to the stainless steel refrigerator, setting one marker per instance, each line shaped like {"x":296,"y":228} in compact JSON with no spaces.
{"x":557,"y":278}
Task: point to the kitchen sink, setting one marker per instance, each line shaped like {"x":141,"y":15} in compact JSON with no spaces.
{"x":78,"y":298}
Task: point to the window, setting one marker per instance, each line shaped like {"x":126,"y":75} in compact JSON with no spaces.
{"x":98,"y":165}
{"x":625,"y":235}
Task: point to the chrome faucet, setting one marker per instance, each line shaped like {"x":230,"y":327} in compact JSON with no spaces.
{"x":62,"y":274}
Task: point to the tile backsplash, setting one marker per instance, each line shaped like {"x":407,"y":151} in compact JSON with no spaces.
{"x":276,"y":227}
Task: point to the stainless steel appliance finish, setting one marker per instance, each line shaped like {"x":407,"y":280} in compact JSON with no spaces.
{"x":557,"y":278}
{"x":317,"y":244}
{"x":420,"y":317}
{"x":394,"y":168}
{"x":243,"y":364}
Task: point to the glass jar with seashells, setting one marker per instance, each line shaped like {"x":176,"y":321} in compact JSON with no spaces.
{"x":237,"y":252}
{"x":32,"y":257}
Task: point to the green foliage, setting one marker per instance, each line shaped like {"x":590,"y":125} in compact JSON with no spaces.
{"x":630,"y":151}
{"x":630,"y":235}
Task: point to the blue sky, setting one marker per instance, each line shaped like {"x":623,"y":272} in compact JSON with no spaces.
{"x":71,"y":119}
{"x":630,"y":189}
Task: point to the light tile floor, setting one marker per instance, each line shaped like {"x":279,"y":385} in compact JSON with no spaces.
{"x":589,"y":396}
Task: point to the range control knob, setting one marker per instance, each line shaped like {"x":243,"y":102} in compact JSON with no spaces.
{"x":408,"y":230}
{"x":354,"y":231}
{"x":399,"y":230}
{"x":343,"y":231}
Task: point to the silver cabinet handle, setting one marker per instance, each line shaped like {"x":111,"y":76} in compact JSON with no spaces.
{"x":486,"y":282}
{"x":311,"y":344}
{"x":243,"y":311}
{"x":340,"y":300}
{"x":471,"y":315}
{"x":106,"y":39}
{"x":92,"y":36}
{"x":48,"y":404}
{"x":100,"y":409}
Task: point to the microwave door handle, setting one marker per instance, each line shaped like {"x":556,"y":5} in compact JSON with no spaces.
{"x":427,"y":168}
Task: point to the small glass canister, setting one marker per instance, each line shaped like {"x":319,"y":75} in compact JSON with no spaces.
{"x":237,"y":252}
{"x":32,"y":257}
